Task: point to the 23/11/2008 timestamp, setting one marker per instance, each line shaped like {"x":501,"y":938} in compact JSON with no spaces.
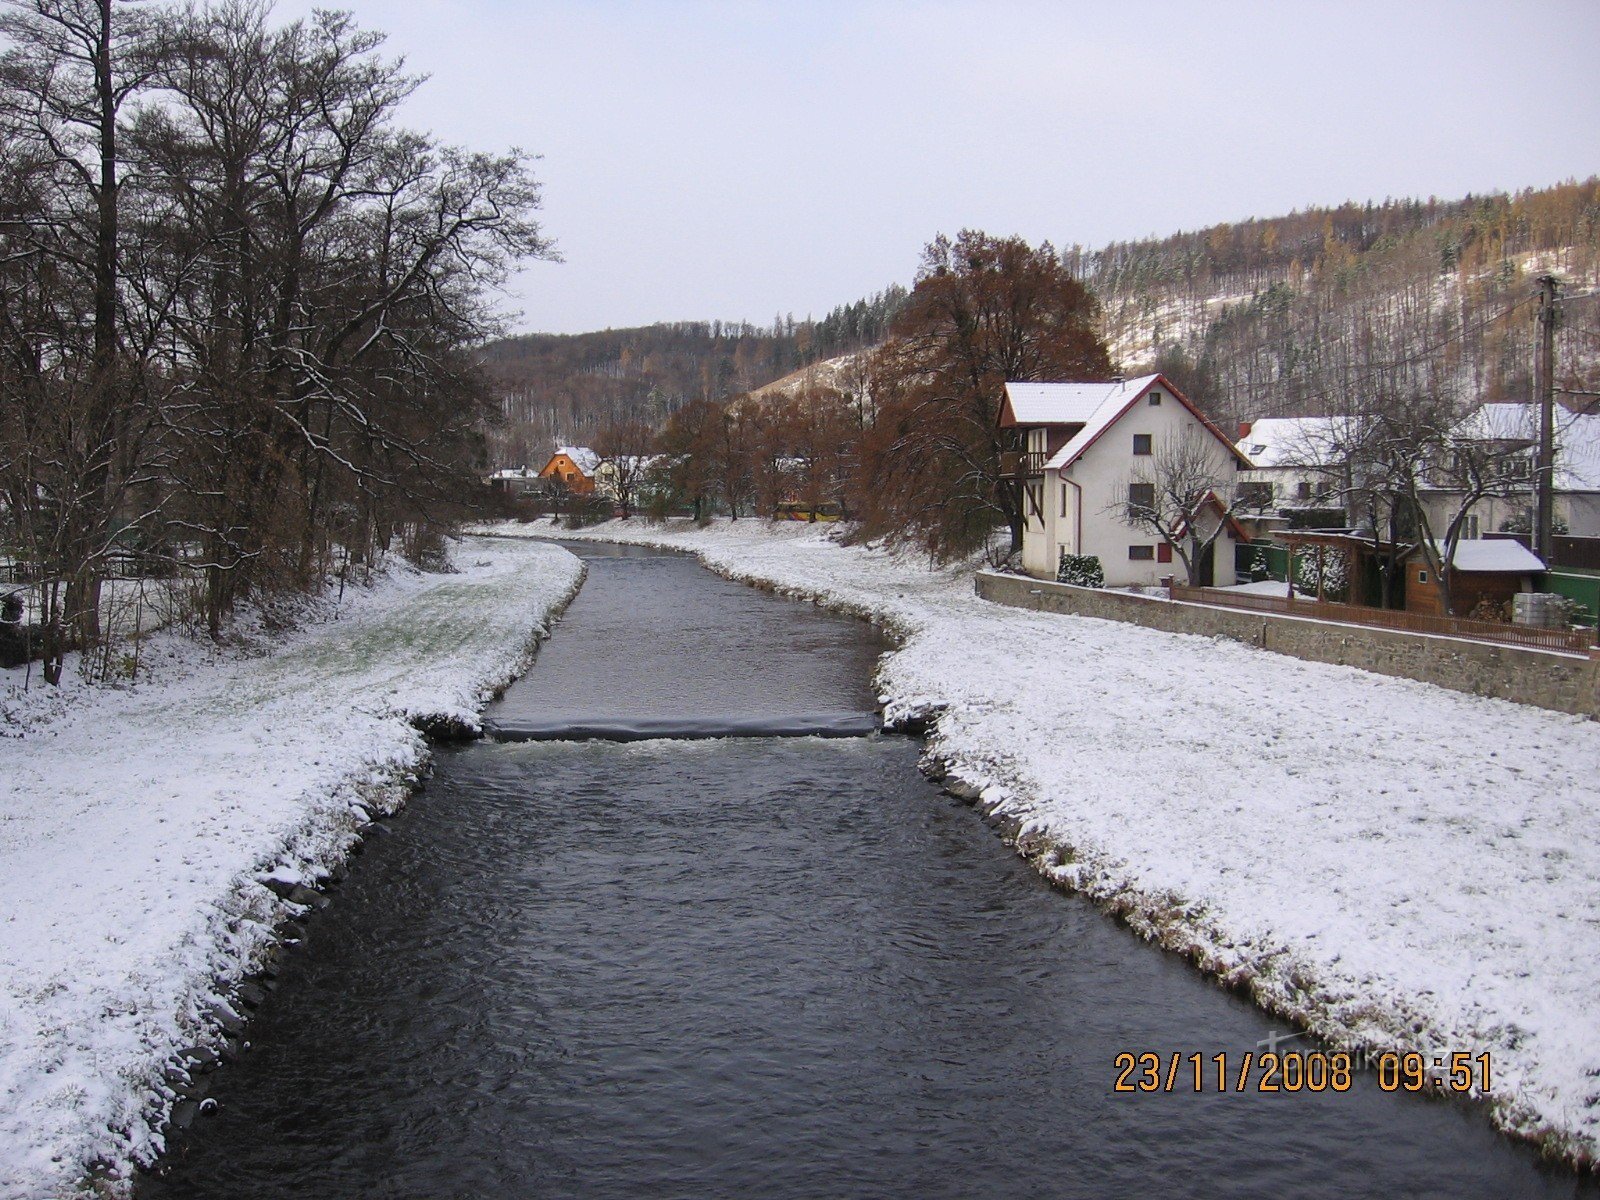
{"x":1270,"y":1072}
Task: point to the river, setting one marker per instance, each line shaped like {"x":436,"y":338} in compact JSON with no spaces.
{"x":759,"y":967}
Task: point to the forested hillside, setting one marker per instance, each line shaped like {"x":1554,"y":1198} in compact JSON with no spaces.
{"x":1335,"y":306}
{"x":567,"y":387}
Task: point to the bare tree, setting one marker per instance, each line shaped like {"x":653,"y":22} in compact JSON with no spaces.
{"x":70,"y":69}
{"x":284,"y":290}
{"x":624,"y":446}
{"x":1447,"y":464}
{"x":1184,"y":493}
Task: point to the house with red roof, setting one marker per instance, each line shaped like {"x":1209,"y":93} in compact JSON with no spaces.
{"x":1087,"y":451}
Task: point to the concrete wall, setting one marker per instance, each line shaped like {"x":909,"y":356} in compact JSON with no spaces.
{"x":1563,"y":682}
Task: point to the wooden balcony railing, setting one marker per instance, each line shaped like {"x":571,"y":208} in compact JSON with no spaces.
{"x":1572,"y":641}
{"x":1022,"y":464}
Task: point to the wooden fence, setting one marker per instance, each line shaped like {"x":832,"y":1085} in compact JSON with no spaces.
{"x":1572,"y":641}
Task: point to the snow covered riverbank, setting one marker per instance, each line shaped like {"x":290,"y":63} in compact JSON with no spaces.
{"x":136,"y":825}
{"x":1390,"y":864}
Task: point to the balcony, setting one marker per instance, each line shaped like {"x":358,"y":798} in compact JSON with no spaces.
{"x":1022,"y":464}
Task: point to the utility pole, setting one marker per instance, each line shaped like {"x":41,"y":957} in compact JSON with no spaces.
{"x":1544,"y":468}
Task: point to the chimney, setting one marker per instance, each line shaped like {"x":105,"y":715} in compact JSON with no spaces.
{"x":1244,"y":429}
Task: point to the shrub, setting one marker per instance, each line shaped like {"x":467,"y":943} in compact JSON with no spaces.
{"x":1083,"y":570}
{"x":1331,"y":573}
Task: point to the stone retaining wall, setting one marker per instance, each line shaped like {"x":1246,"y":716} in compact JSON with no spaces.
{"x":1564,"y":682}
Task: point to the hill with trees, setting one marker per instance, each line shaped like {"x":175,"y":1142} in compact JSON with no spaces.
{"x":1333,"y":308}
{"x":569,"y":387}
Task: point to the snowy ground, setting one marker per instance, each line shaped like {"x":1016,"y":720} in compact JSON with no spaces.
{"x":1391,"y":864}
{"x":136,"y":825}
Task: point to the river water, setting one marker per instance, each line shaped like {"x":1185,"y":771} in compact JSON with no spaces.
{"x":766,"y":967}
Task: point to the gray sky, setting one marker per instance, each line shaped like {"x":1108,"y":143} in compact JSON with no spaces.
{"x":743,"y":159}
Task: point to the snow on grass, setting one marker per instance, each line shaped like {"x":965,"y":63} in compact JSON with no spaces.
{"x":137,"y":825}
{"x":1391,"y":864}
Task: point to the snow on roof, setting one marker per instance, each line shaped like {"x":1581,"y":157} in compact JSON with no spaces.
{"x":1577,"y":439}
{"x":1298,"y":441}
{"x":1067,"y":403}
{"x":1495,"y":554}
{"x":1578,"y":452}
{"x":633,"y":462}
{"x":1115,"y":401}
{"x":1500,"y":422}
{"x":586,"y":459}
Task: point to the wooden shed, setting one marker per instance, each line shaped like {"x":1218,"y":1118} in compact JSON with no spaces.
{"x":1482,"y":571}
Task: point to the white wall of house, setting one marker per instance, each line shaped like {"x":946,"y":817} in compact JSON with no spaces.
{"x":1086,"y":519}
{"x":1579,"y":511}
{"x":1297,"y":486}
{"x":1582,"y":513}
{"x":1039,"y":556}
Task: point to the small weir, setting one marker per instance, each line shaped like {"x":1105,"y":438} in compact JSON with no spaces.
{"x":617,"y":729}
{"x":758,"y":966}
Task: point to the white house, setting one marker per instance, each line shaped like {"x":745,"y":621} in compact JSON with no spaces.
{"x":1082,"y":450}
{"x":1296,"y":463}
{"x":634,"y":470}
{"x":1511,"y":432}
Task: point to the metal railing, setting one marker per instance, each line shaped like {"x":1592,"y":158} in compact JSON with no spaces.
{"x":1572,"y":641}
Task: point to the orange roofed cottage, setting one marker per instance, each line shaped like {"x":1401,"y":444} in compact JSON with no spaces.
{"x":573,"y":467}
{"x":1090,"y":454}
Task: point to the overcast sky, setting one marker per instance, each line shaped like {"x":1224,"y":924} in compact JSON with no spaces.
{"x":741,"y":159}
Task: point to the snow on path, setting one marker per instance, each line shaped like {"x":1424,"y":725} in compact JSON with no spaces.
{"x":135,"y":824}
{"x":1392,"y":864}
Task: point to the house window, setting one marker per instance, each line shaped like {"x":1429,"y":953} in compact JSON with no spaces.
{"x":1304,"y":491}
{"x":1155,"y":399}
{"x":1063,"y":499}
{"x":1164,"y":553}
{"x":1141,"y":553}
{"x":1142,"y":496}
{"x":1422,"y":577}
{"x":1141,"y":443}
{"x":1472,"y":528}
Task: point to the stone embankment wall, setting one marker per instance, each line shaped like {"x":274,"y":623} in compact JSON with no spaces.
{"x":1564,"y":682}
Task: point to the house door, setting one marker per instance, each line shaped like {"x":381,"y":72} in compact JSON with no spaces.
{"x":1206,"y":567}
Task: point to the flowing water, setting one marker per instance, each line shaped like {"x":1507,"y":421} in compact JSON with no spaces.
{"x":763,"y":967}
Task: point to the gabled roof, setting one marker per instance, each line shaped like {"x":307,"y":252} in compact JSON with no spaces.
{"x":1062,"y":403}
{"x":585,"y":459}
{"x":1299,"y":441}
{"x":1577,"y":467}
{"x":1494,"y":554}
{"x":1116,"y":402}
{"x":1214,"y":502}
